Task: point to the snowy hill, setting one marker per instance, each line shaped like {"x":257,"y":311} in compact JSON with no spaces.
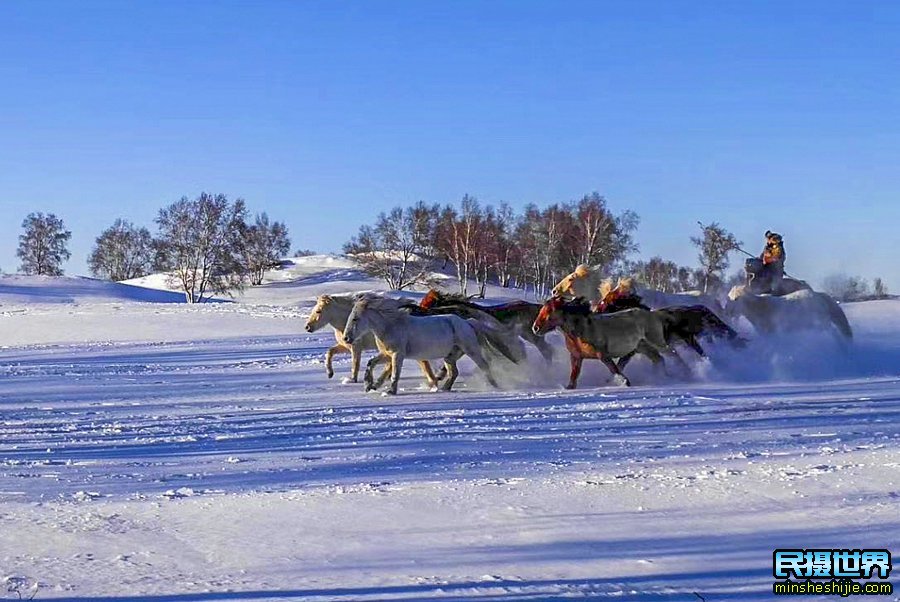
{"x":299,"y":280}
{"x":18,"y":289}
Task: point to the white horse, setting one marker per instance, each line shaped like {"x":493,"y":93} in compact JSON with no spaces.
{"x":588,"y":283}
{"x":333,"y":310}
{"x":400,"y":335}
{"x":803,"y":309}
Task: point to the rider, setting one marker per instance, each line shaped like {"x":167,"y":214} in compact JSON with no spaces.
{"x":767,"y":272}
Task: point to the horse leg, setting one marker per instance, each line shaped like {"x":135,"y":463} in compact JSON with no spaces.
{"x":575,"y":361}
{"x":429,"y":373}
{"x":623,"y":361}
{"x":370,"y":368}
{"x":441,"y":374}
{"x":396,"y":365}
{"x":545,"y":348}
{"x":356,"y":358}
{"x":332,"y":351}
{"x":694,"y":344}
{"x":384,"y":373}
{"x":609,"y":363}
{"x":479,"y":360}
{"x":450,"y":367}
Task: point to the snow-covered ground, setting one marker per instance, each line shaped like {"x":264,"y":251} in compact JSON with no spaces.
{"x":153,"y":451}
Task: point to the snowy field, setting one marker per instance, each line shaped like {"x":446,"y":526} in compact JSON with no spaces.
{"x":152,"y":451}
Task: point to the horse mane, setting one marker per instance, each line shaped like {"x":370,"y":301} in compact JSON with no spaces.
{"x":582,"y":270}
{"x":605,"y":288}
{"x":436,"y":298}
{"x":346,"y":298}
{"x":386,"y":306}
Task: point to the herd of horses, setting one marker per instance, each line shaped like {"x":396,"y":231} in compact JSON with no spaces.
{"x":598,"y":320}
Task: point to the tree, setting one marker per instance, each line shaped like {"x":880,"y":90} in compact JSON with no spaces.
{"x":121,"y":252}
{"x":399,"y":247}
{"x":200,"y":242}
{"x":44,"y":245}
{"x":596,"y":236}
{"x":459,"y":237}
{"x":715,"y":245}
{"x":846,"y":288}
{"x":658,"y":274}
{"x":263,"y":244}
{"x":879,"y":289}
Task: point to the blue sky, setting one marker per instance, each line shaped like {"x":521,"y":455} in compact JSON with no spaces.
{"x":781,"y":115}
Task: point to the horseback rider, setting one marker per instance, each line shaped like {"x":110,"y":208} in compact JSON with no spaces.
{"x":765,"y":274}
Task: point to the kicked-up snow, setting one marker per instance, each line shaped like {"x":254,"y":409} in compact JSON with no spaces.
{"x":162,"y":452}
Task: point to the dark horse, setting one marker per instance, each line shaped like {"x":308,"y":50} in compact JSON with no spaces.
{"x":591,"y":335}
{"x":516,"y":315}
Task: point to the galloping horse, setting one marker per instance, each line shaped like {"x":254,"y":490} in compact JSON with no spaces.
{"x":518,"y":315}
{"x":803,"y":309}
{"x":333,"y":310}
{"x":400,"y":335}
{"x":590,"y":335}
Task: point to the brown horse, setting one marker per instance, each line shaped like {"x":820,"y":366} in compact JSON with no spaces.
{"x":516,"y":315}
{"x":590,"y":335}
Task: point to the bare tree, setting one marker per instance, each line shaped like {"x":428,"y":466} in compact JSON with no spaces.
{"x":199,"y":242}
{"x":846,"y":288}
{"x":879,"y":290}
{"x":398,"y":249}
{"x":121,"y":252}
{"x":598,"y":237}
{"x":43,"y":247}
{"x":503,"y":245}
{"x":715,"y":244}
{"x":658,"y":273}
{"x":458,"y":237}
{"x":263,"y":244}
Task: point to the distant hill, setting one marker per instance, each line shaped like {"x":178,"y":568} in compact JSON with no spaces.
{"x":19,"y":289}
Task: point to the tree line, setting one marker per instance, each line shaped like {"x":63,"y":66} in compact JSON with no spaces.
{"x":210,"y":245}
{"x":207,"y":245}
{"x":531,"y":250}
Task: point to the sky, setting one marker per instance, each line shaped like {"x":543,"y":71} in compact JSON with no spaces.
{"x":758,"y":115}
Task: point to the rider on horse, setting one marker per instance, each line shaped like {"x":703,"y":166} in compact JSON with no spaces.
{"x":765,"y":274}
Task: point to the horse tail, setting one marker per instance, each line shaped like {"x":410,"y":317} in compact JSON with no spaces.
{"x":839,"y":318}
{"x":493,"y":336}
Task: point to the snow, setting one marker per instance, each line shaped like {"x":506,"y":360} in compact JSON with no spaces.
{"x":160,"y":451}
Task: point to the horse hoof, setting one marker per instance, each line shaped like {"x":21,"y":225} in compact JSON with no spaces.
{"x":621,"y":381}
{"x":570,"y":386}
{"x":330,"y":374}
{"x":388,"y":393}
{"x":347,"y":380}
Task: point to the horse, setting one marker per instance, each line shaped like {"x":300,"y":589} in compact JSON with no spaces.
{"x":795,"y":311}
{"x":759,"y":284}
{"x":399,"y":334}
{"x":518,"y":315}
{"x":590,"y":335}
{"x":685,"y":323}
{"x":333,"y":310}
